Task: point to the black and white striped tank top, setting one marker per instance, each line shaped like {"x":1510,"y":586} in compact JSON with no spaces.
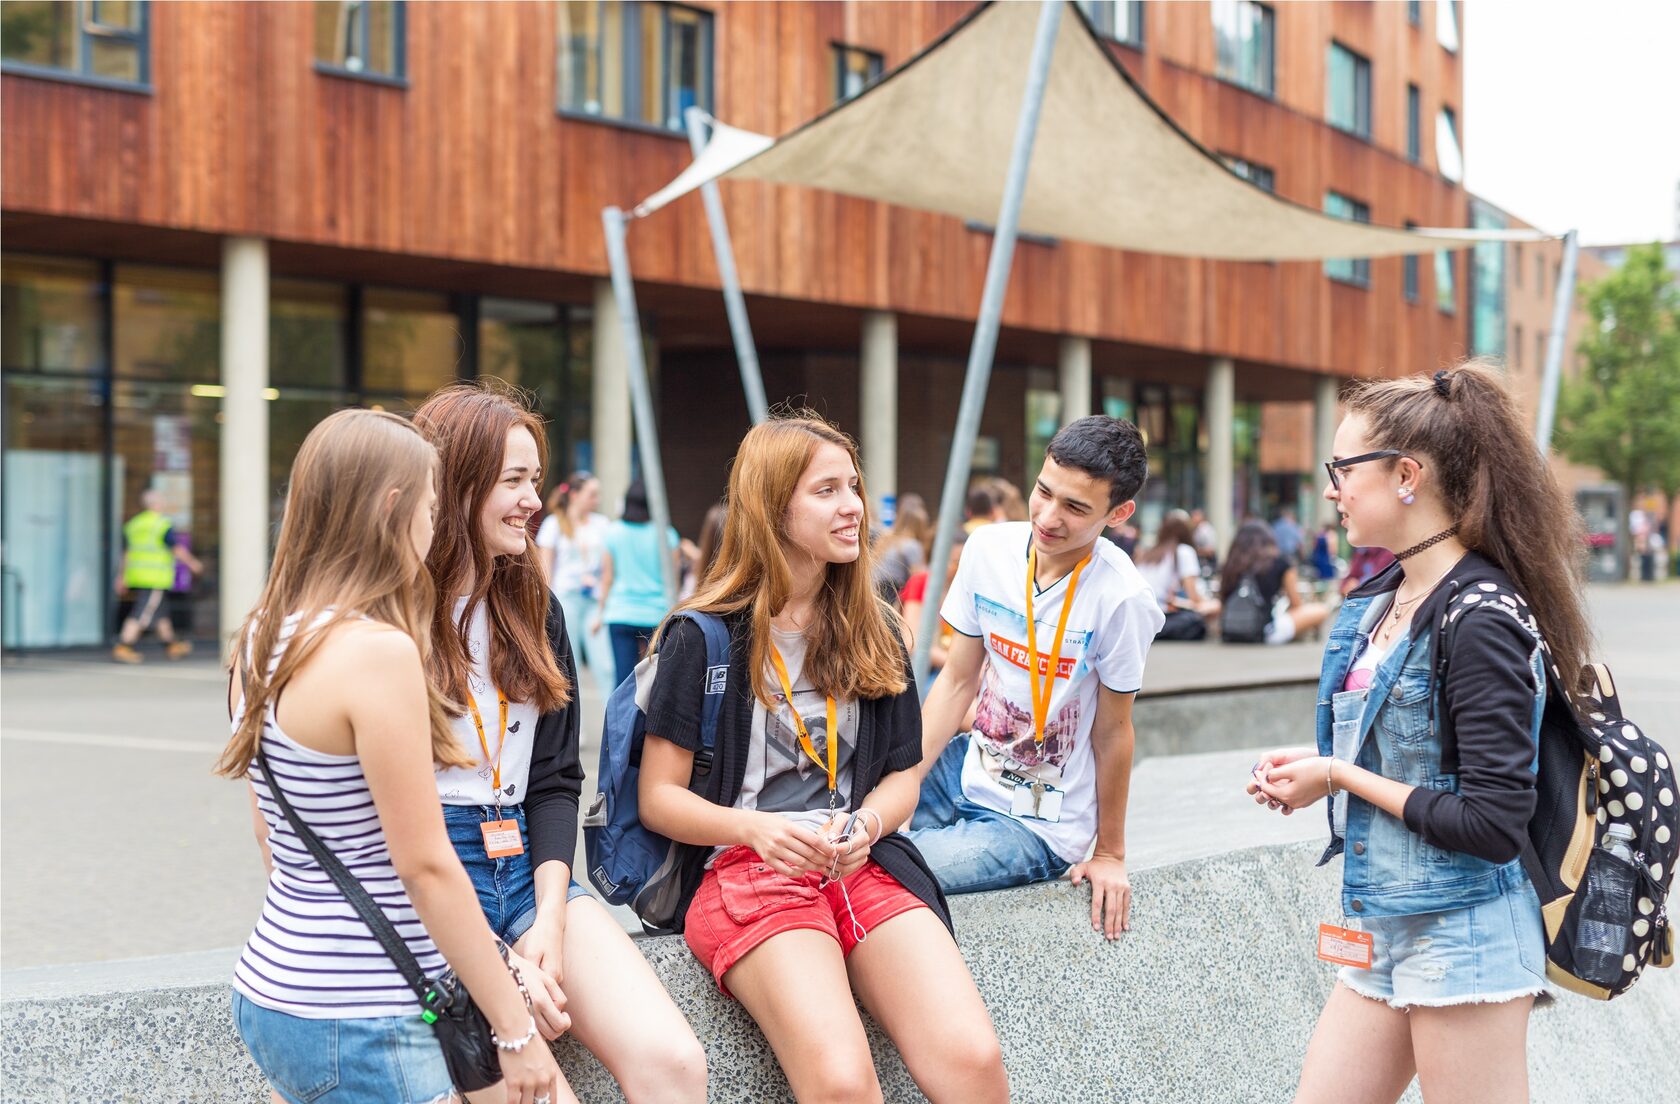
{"x":310,"y":954}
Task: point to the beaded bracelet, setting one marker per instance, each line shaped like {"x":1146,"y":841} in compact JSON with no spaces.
{"x":517,"y":1045}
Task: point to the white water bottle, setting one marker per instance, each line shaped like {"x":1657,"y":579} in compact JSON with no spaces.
{"x":1619,"y":841}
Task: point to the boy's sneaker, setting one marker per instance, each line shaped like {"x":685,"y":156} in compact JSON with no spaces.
{"x":178,"y":649}
{"x":122,"y":653}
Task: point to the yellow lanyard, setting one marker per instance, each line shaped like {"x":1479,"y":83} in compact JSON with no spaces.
{"x":501,"y":740}
{"x":1041,"y":692}
{"x":833,"y":766}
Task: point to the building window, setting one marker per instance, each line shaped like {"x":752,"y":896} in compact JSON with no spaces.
{"x":1409,"y":271}
{"x":1446,"y":291}
{"x":1446,"y":25}
{"x":636,"y":62}
{"x":1258,"y":175}
{"x":1348,"y":92}
{"x":1516,"y":346}
{"x":364,"y":38}
{"x":1414,"y":12}
{"x":99,"y":42}
{"x":1414,"y":123}
{"x":1244,"y":40}
{"x":1348,"y":270}
{"x":1487,"y":284}
{"x":1121,"y":20}
{"x":1449,"y":156}
{"x":1516,"y":264}
{"x":1540,"y":274}
{"x":854,"y":70}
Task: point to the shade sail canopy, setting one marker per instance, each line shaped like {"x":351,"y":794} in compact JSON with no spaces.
{"x":1109,"y":167}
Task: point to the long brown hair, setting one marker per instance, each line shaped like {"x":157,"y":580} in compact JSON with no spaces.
{"x":1254,"y":549}
{"x":854,"y":647}
{"x":911,"y":523}
{"x":1495,"y":486}
{"x":560,"y":499}
{"x":341,"y":555}
{"x":1174,"y":531}
{"x":469,"y":423}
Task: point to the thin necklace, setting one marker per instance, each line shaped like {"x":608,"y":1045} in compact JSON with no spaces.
{"x":1430,"y":543}
{"x":1400,"y":607}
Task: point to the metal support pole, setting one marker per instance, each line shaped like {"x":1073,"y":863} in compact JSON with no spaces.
{"x":746,"y":353}
{"x":641,"y":396}
{"x":1563,"y":301}
{"x":986,"y":329}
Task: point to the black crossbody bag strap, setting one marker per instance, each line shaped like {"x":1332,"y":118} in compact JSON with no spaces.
{"x":370,"y":912}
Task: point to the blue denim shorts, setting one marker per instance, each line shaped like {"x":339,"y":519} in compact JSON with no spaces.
{"x":382,"y":1060}
{"x":969,"y":847}
{"x":1486,"y":953}
{"x":506,"y":887}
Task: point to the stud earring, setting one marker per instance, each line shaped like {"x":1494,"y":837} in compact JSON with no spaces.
{"x":1407,"y":496}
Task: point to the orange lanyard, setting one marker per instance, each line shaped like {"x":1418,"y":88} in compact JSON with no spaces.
{"x":1041,"y":692}
{"x":810,"y":748}
{"x":501,"y":740}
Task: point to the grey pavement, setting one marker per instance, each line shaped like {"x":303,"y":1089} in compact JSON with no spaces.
{"x":116,"y":841}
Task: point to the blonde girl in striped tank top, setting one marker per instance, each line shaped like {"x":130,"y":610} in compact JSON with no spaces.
{"x":332,"y":682}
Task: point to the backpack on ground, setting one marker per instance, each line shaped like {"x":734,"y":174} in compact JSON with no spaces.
{"x":1605,"y":917}
{"x":629,"y":864}
{"x":1245,"y":613}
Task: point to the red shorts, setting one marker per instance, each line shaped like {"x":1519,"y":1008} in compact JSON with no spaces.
{"x":741,"y":903}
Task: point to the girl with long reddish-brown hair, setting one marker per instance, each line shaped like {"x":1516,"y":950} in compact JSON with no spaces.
{"x":799,"y":894}
{"x":503,"y":657}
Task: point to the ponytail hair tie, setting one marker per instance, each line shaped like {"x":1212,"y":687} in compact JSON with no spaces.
{"x":565,"y":488}
{"x":1443,"y":384}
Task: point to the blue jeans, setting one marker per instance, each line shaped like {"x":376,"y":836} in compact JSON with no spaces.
{"x":506,"y":887}
{"x":629,"y":645}
{"x":376,"y":1060}
{"x":592,"y":650}
{"x":971,"y":848}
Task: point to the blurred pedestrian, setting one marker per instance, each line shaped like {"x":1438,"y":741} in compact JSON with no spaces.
{"x":1324,"y":556}
{"x":706,"y":548}
{"x":146,"y":575}
{"x":1010,"y":506}
{"x":1287,"y":531}
{"x":571,"y":539}
{"x":978,"y":508}
{"x":913,"y":598}
{"x":903,"y":551}
{"x":633,"y":596}
{"x":1366,"y":564}
{"x":1258,"y":580}
{"x":1174,"y":572}
{"x":1206,"y":539}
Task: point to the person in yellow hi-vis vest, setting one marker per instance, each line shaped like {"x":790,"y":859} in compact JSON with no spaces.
{"x":147,"y":573}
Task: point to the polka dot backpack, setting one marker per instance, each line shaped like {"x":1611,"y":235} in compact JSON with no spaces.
{"x":1603,"y":893}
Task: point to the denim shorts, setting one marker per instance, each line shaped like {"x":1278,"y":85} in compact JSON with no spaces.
{"x":969,"y":847}
{"x":382,"y":1060}
{"x":1486,"y":953}
{"x":506,"y":887}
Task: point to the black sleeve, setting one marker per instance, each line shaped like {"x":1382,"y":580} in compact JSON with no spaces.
{"x":1489,"y":695}
{"x":679,"y":684}
{"x":904,"y":740}
{"x":556,"y":783}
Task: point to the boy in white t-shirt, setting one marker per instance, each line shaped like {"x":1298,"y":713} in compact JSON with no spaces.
{"x":1046,"y":771}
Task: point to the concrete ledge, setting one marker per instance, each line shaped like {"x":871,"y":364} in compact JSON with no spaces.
{"x":1211,"y":997}
{"x":1194,"y":721}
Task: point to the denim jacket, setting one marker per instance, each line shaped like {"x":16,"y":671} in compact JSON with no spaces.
{"x":1389,"y":870}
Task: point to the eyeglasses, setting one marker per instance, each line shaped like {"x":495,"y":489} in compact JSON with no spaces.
{"x":1334,"y":467}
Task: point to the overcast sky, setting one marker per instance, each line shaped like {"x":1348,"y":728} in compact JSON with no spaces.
{"x":1572,"y":113}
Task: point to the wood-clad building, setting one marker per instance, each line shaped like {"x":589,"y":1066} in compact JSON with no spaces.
{"x":423,"y":182}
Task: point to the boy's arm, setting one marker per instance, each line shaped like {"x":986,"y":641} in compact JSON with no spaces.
{"x":1112,"y":742}
{"x":948,"y":701}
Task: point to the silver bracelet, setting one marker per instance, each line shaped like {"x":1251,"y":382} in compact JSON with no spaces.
{"x":1330,"y":777}
{"x":517,"y":1045}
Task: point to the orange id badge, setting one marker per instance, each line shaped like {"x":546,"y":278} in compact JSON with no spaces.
{"x":1344,"y":946}
{"x":501,"y":838}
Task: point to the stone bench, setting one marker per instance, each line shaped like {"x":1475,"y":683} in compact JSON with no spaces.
{"x":1211,"y":997}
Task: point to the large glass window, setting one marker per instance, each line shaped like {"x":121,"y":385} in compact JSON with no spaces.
{"x":1409,"y":272}
{"x":1121,"y":20}
{"x":309,"y":367}
{"x":95,"y":40}
{"x":1487,"y":285}
{"x":411,"y":343}
{"x":854,"y":70}
{"x":1348,"y":91}
{"x":642,"y":62}
{"x":1414,"y":123}
{"x":1244,"y":42}
{"x":168,"y":324}
{"x":1446,"y":286}
{"x":536,"y":346}
{"x":363,"y":37}
{"x":1256,"y":174}
{"x":1449,"y":155}
{"x":1348,"y":270}
{"x":1446,"y":24}
{"x":53,"y":311}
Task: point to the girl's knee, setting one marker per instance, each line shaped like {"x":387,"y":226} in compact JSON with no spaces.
{"x":674,"y":1070}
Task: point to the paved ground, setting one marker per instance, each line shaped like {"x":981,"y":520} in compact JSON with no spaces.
{"x":116,"y":841}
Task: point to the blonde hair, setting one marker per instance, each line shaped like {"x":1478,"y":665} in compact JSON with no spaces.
{"x":341,"y":556}
{"x":854,"y":647}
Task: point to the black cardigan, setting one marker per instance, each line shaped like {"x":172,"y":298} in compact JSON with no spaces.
{"x":889,"y":739}
{"x":556,"y":781}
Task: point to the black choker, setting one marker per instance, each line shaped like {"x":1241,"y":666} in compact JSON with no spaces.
{"x":1430,"y":543}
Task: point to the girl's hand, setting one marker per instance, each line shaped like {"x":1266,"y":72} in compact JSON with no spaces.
{"x":548,"y":1001}
{"x":542,"y":944}
{"x":1274,"y":758}
{"x":1296,"y":784}
{"x":853,"y":851}
{"x":529,"y":1073}
{"x":787,"y":848}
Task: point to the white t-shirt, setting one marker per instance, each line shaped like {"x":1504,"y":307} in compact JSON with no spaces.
{"x":1166,"y":574}
{"x":577,"y":560}
{"x":1113,"y":621}
{"x":472,"y":785}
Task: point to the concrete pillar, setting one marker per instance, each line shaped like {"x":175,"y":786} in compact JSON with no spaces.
{"x":878,"y":404}
{"x":1221,"y":402}
{"x":1073,"y":370}
{"x":244,"y":447}
{"x":1324,"y":437}
{"x":609,"y":418}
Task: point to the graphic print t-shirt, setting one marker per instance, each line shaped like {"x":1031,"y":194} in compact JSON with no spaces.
{"x":1113,"y":620}
{"x":473,"y":785}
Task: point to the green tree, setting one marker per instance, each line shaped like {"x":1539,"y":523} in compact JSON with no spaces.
{"x":1622,"y":413}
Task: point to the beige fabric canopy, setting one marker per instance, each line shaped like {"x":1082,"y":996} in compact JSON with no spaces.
{"x":1108,"y":167}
